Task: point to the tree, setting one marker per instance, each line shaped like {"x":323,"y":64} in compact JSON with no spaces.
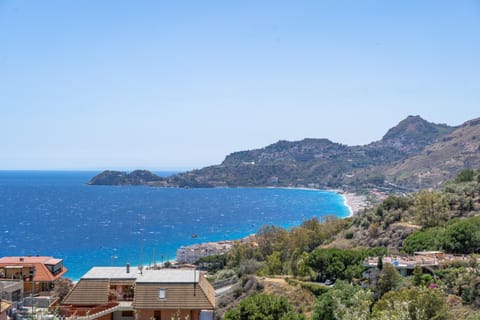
{"x":343,"y":301}
{"x":274,"y":264}
{"x":417,"y":275}
{"x":411,"y":303}
{"x":425,"y":240}
{"x":456,"y":278}
{"x":271,"y":238}
{"x":463,"y":236}
{"x":388,"y":279}
{"x":63,"y":287}
{"x":431,"y":208}
{"x":380,"y":263}
{"x":263,"y":306}
{"x":466,"y":175}
{"x":299,"y":265}
{"x":335,"y":263}
{"x":357,"y":308}
{"x":302,"y":238}
{"x":242,"y":252}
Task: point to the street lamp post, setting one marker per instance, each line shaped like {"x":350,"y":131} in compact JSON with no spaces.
{"x":32,"y":275}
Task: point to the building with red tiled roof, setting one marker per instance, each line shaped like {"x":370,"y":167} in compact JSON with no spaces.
{"x":124,"y":293}
{"x":43,"y":270}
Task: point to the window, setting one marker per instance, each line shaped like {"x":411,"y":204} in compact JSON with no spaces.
{"x":127,"y":314}
{"x":162,"y":294}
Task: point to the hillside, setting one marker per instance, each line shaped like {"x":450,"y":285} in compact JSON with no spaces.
{"x":320,"y":163}
{"x":316,"y":254}
{"x":412,"y":134}
{"x":440,"y":161}
{"x":390,"y":222}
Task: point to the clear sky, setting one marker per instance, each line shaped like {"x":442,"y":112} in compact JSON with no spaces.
{"x":180,"y":84}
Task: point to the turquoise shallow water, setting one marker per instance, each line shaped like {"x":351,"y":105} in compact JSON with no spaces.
{"x":56,"y":213}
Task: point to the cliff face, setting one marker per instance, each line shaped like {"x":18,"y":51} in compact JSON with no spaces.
{"x":414,"y":150}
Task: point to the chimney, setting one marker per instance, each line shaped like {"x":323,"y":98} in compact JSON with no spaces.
{"x":128,"y":267}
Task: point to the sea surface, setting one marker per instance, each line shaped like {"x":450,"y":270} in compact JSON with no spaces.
{"x":55,"y":213}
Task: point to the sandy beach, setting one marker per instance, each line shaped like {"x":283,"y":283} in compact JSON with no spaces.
{"x":355,"y":202}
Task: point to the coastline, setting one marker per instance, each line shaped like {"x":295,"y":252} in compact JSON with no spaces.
{"x":354,"y":202}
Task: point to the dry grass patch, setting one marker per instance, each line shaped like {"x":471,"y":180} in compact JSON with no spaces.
{"x":302,"y":299}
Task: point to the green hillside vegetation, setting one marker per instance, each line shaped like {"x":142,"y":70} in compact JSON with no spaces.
{"x":434,"y":165}
{"x":389,"y":223}
{"x":310,"y":257}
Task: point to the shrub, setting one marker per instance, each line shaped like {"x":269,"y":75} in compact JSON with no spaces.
{"x":263,"y":306}
{"x":412,"y":303}
{"x":315,"y":288}
{"x":349,"y":235}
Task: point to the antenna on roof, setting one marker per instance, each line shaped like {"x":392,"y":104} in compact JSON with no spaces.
{"x":194,"y":282}
{"x":154,"y":258}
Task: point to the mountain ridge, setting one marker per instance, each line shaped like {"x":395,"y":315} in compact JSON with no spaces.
{"x":400,"y":159}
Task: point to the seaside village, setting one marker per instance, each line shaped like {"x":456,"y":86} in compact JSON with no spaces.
{"x":37,"y":287}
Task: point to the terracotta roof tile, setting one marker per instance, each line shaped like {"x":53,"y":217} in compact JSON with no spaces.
{"x":42,"y":274}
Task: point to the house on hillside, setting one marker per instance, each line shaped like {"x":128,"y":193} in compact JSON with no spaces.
{"x":39,"y":272}
{"x":124,"y":293}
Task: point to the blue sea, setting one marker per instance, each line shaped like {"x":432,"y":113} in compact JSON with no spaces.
{"x":55,"y":213}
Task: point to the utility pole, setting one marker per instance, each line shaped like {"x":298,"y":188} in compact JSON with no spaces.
{"x":1,"y":295}
{"x":32,"y":275}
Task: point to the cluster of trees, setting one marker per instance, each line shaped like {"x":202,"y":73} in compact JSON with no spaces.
{"x":458,"y":236}
{"x":462,"y":279}
{"x":425,"y":208}
{"x":340,"y":264}
{"x":263,"y":306}
{"x":457,"y":198}
{"x":447,"y":217}
{"x":281,"y":251}
{"x":391,"y":297}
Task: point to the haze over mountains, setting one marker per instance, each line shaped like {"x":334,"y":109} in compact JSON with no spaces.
{"x":414,"y":154}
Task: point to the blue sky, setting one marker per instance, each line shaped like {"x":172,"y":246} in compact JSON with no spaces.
{"x":180,"y":84}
